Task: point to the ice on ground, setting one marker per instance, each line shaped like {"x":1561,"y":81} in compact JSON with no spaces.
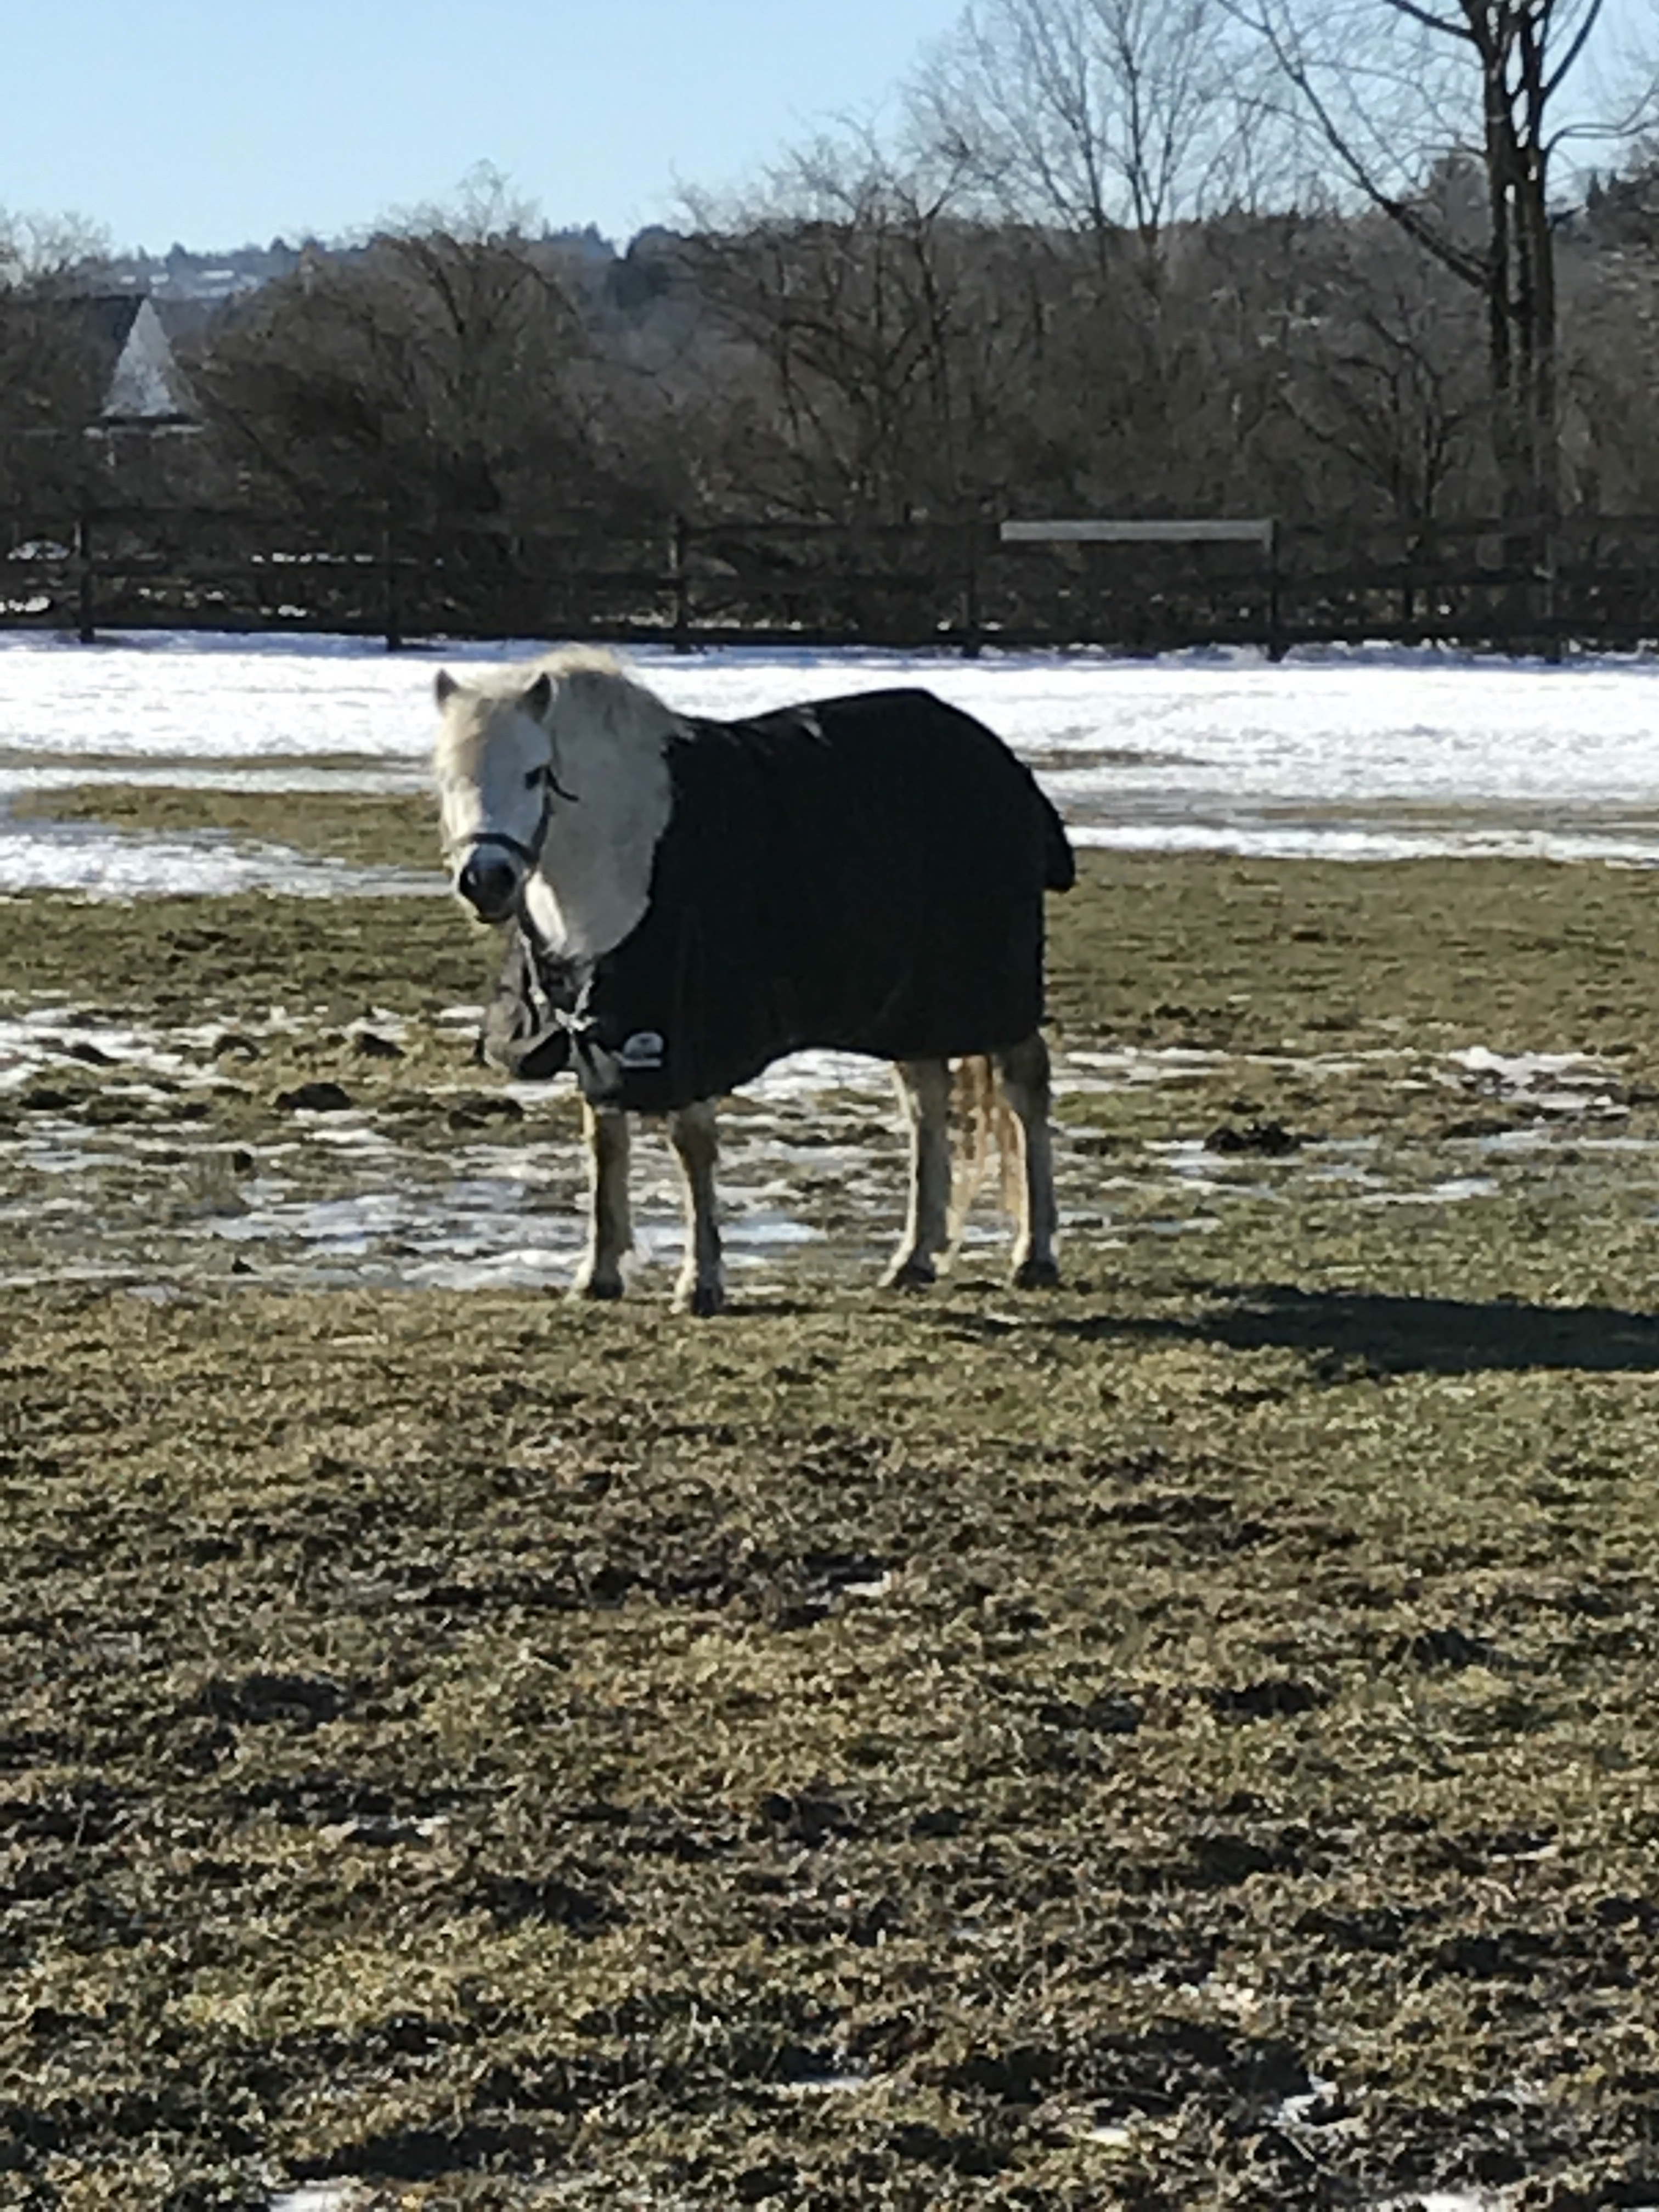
{"x":1447,"y":2200}
{"x":1454,"y":1190}
{"x":1552,"y":1082}
{"x":813,"y":1173}
{"x":97,"y":862}
{"x":1304,"y":2105}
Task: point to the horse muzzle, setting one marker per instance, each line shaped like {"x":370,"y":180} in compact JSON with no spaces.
{"x":489,"y":884}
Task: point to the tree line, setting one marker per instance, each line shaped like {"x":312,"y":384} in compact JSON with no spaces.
{"x":1325,"y":260}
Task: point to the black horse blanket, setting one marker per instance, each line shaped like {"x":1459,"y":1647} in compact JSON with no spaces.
{"x":865,"y":874}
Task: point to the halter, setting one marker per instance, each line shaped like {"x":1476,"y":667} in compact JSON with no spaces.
{"x":530,"y":853}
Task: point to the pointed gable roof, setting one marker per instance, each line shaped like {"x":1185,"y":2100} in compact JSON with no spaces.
{"x":138,"y":379}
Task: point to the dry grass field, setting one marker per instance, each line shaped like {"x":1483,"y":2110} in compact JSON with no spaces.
{"x":1188,"y":1740}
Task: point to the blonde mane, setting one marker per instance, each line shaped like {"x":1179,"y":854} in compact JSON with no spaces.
{"x":592,"y":685}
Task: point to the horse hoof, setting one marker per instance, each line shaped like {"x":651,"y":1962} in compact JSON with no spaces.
{"x":702,"y":1300}
{"x":598,"y":1287}
{"x":910,"y":1275}
{"x":1038,"y":1275}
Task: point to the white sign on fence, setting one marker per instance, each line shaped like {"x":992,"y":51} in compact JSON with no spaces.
{"x":1256,"y":531}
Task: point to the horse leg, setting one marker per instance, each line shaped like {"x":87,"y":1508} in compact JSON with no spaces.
{"x":610,"y":1230}
{"x":924,"y":1087}
{"x":702,"y":1287}
{"x":1023,"y":1078}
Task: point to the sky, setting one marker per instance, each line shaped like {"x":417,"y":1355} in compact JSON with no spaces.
{"x":223,"y":123}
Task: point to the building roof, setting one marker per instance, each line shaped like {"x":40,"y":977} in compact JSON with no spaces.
{"x":138,"y":378}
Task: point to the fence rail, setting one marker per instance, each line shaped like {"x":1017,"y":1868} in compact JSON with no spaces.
{"x":1140,"y":588}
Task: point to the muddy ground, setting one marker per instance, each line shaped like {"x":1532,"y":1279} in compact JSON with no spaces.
{"x":1184,"y":1740}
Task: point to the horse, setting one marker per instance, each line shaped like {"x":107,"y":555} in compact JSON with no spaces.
{"x":686,"y":901}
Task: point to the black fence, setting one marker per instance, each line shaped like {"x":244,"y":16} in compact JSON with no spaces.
{"x":1587,"y":582}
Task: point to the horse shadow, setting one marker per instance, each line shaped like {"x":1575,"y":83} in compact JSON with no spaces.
{"x":1349,"y":1335}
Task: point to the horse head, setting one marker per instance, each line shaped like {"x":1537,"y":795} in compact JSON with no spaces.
{"x":498,"y":778}
{"x":554,"y":788}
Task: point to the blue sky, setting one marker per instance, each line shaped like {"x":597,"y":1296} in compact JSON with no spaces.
{"x":225,"y":122}
{"x":222,"y":123}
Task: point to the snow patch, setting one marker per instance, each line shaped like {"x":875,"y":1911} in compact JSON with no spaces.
{"x":1360,"y":755}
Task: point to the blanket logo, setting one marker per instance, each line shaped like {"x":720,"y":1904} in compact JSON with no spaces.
{"x":645,"y":1049}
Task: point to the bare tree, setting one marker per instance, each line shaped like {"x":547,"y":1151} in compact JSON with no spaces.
{"x":1609,"y":273}
{"x":49,"y":374}
{"x":1107,"y":119}
{"x":1101,"y":133}
{"x":1384,"y":373}
{"x":1392,"y":92}
{"x":47,"y":252}
{"x":425,"y":371}
{"x":853,"y":285}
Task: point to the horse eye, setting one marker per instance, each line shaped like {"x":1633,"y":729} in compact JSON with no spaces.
{"x":534,"y":778}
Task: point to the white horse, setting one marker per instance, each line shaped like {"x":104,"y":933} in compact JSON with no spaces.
{"x":693,"y":899}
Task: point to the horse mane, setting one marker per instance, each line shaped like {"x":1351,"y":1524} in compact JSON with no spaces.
{"x":593,"y":691}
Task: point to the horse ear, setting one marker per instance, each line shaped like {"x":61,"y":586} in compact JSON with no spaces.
{"x":445,"y":687}
{"x":539,"y":697}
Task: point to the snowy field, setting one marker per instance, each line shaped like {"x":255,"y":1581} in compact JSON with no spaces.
{"x":1363,"y":754}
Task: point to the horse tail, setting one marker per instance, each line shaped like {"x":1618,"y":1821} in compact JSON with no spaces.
{"x":985,"y":1124}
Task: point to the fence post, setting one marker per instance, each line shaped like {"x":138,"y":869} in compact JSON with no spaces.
{"x":972,"y":638}
{"x":86,"y":597}
{"x":679,"y":548}
{"x":394,"y":613}
{"x":1275,"y":627}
